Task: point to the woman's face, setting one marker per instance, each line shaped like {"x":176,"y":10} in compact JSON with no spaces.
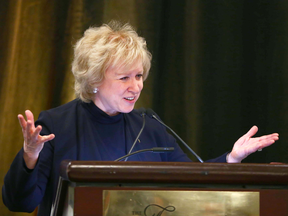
{"x":120,"y":89}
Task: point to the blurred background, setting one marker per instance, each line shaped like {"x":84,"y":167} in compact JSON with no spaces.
{"x":219,"y":67}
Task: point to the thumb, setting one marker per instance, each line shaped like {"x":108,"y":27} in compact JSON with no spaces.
{"x":252,"y":131}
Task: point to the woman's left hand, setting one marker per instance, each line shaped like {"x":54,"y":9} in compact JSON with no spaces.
{"x":246,"y":145}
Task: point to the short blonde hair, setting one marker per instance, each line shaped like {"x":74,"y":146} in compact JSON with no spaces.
{"x":101,"y":47}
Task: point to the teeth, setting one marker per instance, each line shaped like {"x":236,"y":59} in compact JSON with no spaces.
{"x":130,"y":98}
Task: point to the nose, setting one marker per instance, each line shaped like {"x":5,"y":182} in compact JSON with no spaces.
{"x":135,"y":86}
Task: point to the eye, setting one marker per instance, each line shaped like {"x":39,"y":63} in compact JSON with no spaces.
{"x":124,"y":78}
{"x":139,"y":76}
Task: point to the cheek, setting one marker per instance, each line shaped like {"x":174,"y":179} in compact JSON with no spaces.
{"x":141,"y":85}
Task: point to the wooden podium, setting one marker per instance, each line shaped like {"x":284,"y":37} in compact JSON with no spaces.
{"x":85,"y":187}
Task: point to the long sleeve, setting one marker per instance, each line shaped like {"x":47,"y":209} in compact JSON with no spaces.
{"x":24,"y":189}
{"x":18,"y":186}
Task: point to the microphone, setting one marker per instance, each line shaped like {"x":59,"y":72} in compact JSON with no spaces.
{"x":142,"y":112}
{"x":152,"y":114}
{"x":154,"y":150}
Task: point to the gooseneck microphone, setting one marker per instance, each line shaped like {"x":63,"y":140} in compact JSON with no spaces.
{"x":143,"y":114}
{"x":152,"y":114}
{"x":154,"y":150}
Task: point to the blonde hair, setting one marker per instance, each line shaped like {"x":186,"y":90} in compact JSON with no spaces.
{"x":101,"y":47}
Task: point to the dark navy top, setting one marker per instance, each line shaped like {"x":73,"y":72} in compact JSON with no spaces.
{"x":82,"y":132}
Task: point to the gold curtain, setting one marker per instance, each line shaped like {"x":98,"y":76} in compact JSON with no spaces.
{"x":37,"y":50}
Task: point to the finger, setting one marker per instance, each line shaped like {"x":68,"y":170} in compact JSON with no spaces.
{"x":269,"y":137}
{"x":36,"y":133}
{"x":274,"y":135}
{"x":29,"y":116}
{"x":30,"y":127}
{"x":29,"y":134}
{"x":265,"y":143}
{"x":22,"y":121}
{"x":252,"y":131}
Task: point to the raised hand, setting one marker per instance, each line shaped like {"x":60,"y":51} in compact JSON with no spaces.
{"x":246,"y":145}
{"x":33,"y":141}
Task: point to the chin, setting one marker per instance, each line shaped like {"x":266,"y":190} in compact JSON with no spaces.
{"x":127,"y":110}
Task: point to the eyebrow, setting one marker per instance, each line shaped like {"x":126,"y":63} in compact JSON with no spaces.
{"x":128,"y":72}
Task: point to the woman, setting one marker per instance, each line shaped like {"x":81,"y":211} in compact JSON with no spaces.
{"x":110,"y":64}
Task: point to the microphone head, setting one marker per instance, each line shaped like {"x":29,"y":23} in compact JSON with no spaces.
{"x":150,"y":112}
{"x":141,"y":111}
{"x":162,"y":149}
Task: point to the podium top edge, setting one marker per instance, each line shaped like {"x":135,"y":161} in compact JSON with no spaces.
{"x":174,"y":172}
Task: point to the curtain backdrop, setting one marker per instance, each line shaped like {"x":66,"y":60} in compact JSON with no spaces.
{"x":218,"y":68}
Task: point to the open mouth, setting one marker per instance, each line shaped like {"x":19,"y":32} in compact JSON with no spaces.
{"x":129,"y":98}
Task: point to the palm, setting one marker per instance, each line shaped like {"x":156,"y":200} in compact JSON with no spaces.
{"x":246,"y":145}
{"x":33,"y":141}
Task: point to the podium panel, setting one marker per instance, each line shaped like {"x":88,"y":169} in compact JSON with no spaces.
{"x":146,"y":188}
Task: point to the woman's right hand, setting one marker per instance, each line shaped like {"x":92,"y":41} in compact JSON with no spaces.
{"x":33,"y":141}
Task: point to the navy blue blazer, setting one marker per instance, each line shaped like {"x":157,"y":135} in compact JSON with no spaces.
{"x":81,"y":130}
